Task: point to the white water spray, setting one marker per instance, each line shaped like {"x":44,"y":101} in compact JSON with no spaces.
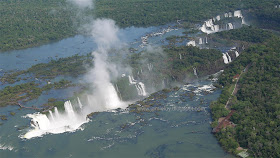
{"x":229,"y":58}
{"x":200,"y":41}
{"x":225,"y":58}
{"x":209,"y":27}
{"x":55,"y":123}
{"x":191,"y":43}
{"x":194,"y":71}
{"x":236,"y":54}
{"x":230,"y":26}
{"x":104,"y":96}
{"x":140,"y":87}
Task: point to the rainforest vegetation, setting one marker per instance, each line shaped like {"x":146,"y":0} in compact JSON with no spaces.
{"x":28,"y":91}
{"x":71,"y":66}
{"x":256,"y":103}
{"x":33,"y":22}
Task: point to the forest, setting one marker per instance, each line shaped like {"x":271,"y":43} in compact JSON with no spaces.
{"x":31,"y":23}
{"x":256,"y":103}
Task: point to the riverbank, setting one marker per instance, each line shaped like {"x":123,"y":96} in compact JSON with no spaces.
{"x":23,"y":26}
{"x":250,"y":90}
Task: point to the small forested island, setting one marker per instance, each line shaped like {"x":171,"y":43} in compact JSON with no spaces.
{"x":161,"y":78}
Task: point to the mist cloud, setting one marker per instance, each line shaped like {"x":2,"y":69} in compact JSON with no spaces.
{"x":82,"y":3}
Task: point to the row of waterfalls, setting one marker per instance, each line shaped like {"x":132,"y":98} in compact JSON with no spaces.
{"x":105,"y":97}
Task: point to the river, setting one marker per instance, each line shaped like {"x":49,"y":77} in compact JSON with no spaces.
{"x":174,"y":131}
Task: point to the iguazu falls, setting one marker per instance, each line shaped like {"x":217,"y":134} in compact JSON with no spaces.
{"x":135,"y":78}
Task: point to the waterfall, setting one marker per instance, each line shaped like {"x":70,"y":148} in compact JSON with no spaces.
{"x":230,"y":26}
{"x":56,"y":111}
{"x":194,"y":72}
{"x":103,"y":96}
{"x":55,"y":123}
{"x":237,"y":14}
{"x":200,"y":41}
{"x":229,"y":58}
{"x":180,"y":56}
{"x":218,"y":18}
{"x":51,"y":114}
{"x":140,"y":87}
{"x":143,"y":89}
{"x":216,"y":28}
{"x":206,"y":41}
{"x":117,"y":88}
{"x":209,"y":27}
{"x":225,"y":58}
{"x":131,"y":80}
{"x":79,"y":102}
{"x":236,"y":54}
{"x":226,"y":15}
{"x":191,"y":43}
{"x":209,"y":23}
{"x":150,"y":66}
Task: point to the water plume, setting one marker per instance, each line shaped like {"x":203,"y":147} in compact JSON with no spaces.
{"x":103,"y":96}
{"x":82,"y":4}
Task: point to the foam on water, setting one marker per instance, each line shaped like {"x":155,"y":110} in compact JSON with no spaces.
{"x":6,"y":147}
{"x":56,"y":123}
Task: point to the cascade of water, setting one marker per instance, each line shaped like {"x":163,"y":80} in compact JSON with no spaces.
{"x":218,"y":18}
{"x":212,"y":28}
{"x":51,"y":115}
{"x":139,"y":92}
{"x":194,"y":71}
{"x":214,"y":19}
{"x":206,"y":40}
{"x":117,"y":88}
{"x":200,"y":41}
{"x":191,"y":43}
{"x":230,"y":26}
{"x":150,"y":66}
{"x":238,"y":14}
{"x":209,"y":27}
{"x":140,"y":87}
{"x":143,"y":89}
{"x":88,"y":100}
{"x":217,"y":28}
{"x":236,"y":54}
{"x":225,"y":58}
{"x":131,"y":80}
{"x":180,"y":55}
{"x":104,"y":96}
{"x":209,"y":23}
{"x":57,"y":123}
{"x":79,"y":102}
{"x":226,"y":15}
{"x":69,"y":109}
{"x":56,"y":113}
{"x":229,"y":58}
